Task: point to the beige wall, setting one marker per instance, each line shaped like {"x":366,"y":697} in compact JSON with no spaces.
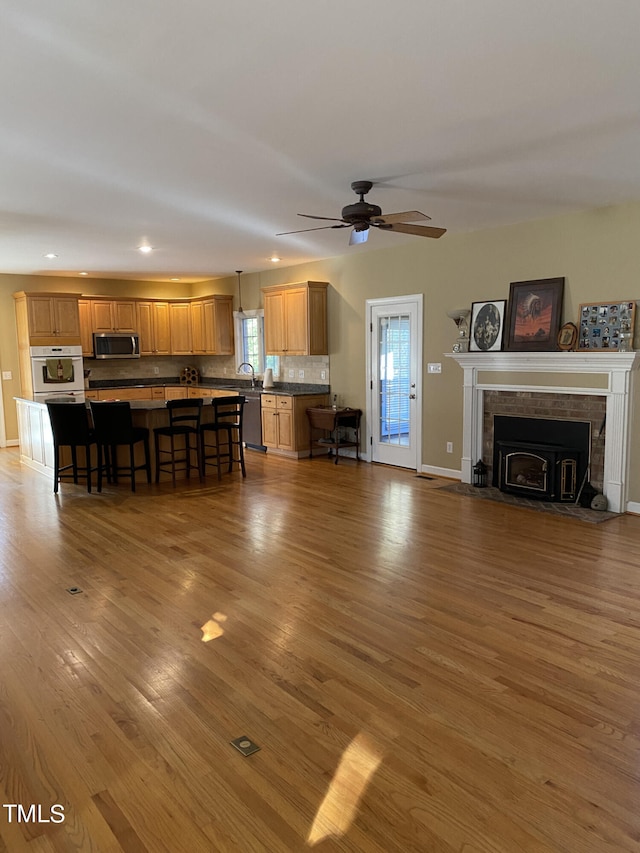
{"x":596,"y":252}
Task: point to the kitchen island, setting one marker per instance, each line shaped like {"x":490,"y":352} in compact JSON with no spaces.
{"x":36,"y":439}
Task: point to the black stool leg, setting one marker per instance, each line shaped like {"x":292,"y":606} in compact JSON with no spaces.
{"x":56,"y":468}
{"x":87,"y":451}
{"x":100,"y":463}
{"x":113,"y":450}
{"x":198,"y":458}
{"x":241,"y":447}
{"x":147,"y":458}
{"x":132,"y":463}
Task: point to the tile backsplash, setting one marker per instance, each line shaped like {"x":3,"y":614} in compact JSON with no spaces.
{"x":303,"y":369}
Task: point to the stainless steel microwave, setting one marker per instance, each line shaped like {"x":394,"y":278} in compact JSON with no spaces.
{"x":116,"y":345}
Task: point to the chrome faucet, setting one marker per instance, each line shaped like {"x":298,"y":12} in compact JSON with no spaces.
{"x":253,"y":373}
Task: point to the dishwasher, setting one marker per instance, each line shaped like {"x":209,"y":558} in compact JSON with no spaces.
{"x":252,"y":421}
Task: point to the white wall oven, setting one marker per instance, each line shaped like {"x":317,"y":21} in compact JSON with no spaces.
{"x":57,"y":372}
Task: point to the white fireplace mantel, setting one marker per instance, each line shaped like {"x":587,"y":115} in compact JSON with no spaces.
{"x":607,"y":374}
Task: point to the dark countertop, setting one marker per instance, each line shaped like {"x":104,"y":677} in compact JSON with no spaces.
{"x":293,"y":388}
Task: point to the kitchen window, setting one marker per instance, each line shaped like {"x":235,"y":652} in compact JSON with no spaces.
{"x":249,"y":329}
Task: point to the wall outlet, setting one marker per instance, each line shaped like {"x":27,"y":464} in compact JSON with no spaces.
{"x":323,"y":374}
{"x":7,"y":374}
{"x":301,"y":374}
{"x":434,"y":367}
{"x":292,"y":374}
{"x":449,"y":447}
{"x":156,"y":370}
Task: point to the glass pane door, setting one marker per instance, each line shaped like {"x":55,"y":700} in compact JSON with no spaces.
{"x":394,"y":337}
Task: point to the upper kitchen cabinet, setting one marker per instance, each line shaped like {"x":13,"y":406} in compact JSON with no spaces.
{"x":46,"y":319}
{"x":153,"y":327}
{"x":295,"y":319}
{"x":86,"y":327}
{"x":218,"y":325}
{"x":113,"y":315}
{"x":212,"y":325}
{"x":197,"y":327}
{"x":180,"y":325}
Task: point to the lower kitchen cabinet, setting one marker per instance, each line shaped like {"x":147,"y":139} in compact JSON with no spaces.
{"x":124,"y":394}
{"x":285,"y":428}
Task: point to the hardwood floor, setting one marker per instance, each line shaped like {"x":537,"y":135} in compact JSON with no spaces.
{"x":422,"y":671}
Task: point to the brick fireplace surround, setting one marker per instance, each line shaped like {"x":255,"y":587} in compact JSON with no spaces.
{"x":576,"y":386}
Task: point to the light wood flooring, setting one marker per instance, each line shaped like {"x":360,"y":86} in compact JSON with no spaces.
{"x":422,"y":671}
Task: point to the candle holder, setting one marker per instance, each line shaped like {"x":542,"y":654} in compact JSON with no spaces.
{"x":460,"y":317}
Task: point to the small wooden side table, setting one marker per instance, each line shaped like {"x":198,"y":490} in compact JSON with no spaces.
{"x":333,"y":424}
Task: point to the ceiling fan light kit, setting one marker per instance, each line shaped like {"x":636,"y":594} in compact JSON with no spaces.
{"x":361,"y":216}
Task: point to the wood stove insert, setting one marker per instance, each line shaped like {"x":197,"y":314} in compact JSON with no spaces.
{"x":545,"y":471}
{"x":540,"y":457}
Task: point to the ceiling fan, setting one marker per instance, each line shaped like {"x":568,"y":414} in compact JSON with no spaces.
{"x":361,"y":216}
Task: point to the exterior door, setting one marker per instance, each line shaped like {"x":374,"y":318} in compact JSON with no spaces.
{"x":395,"y":380}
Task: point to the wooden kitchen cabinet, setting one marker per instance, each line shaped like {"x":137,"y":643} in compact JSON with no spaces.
{"x":218,"y":325}
{"x":153,"y":327}
{"x":285,"y":428}
{"x":125,"y":393}
{"x":86,"y":327}
{"x":113,"y":315}
{"x":295,"y":319}
{"x":180,"y":326}
{"x":207,"y":393}
{"x":197,"y":328}
{"x":175,"y":392}
{"x":212,"y":326}
{"x":47,"y":319}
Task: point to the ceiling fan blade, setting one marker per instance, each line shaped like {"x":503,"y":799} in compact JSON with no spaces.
{"x":319,"y":228}
{"x":407,"y":216}
{"x":328,"y":218}
{"x":418,"y":230}
{"x":358,"y":237}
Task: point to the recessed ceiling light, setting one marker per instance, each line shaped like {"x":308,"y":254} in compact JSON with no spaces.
{"x":176,"y":279}
{"x":145,"y":249}
{"x":51,"y":255}
{"x":274,"y":259}
{"x":83,"y":273}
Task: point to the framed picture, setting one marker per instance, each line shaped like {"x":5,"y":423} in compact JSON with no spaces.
{"x":607,"y":326}
{"x":568,"y":337}
{"x":534,"y":315}
{"x":487,"y":325}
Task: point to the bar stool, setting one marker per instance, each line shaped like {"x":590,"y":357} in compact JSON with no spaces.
{"x":227,"y":421}
{"x":114,"y":427}
{"x":70,"y":428}
{"x":184,"y":420}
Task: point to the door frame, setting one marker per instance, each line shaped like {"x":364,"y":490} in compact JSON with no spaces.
{"x":390,"y":301}
{"x":3,"y":431}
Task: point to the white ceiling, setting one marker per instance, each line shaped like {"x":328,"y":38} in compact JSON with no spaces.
{"x":204,"y":127}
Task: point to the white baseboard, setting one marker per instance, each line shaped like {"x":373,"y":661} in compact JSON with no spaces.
{"x":449,"y":473}
{"x":633,"y":507}
{"x":12,"y":442}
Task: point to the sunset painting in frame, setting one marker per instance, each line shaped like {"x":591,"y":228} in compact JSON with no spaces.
{"x":534,"y":315}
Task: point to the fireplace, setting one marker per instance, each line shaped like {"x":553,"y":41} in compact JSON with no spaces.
{"x":572,"y":376}
{"x":545,"y":471}
{"x":545,"y":458}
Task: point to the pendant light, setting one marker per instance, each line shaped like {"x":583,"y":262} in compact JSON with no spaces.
{"x":240,"y":308}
